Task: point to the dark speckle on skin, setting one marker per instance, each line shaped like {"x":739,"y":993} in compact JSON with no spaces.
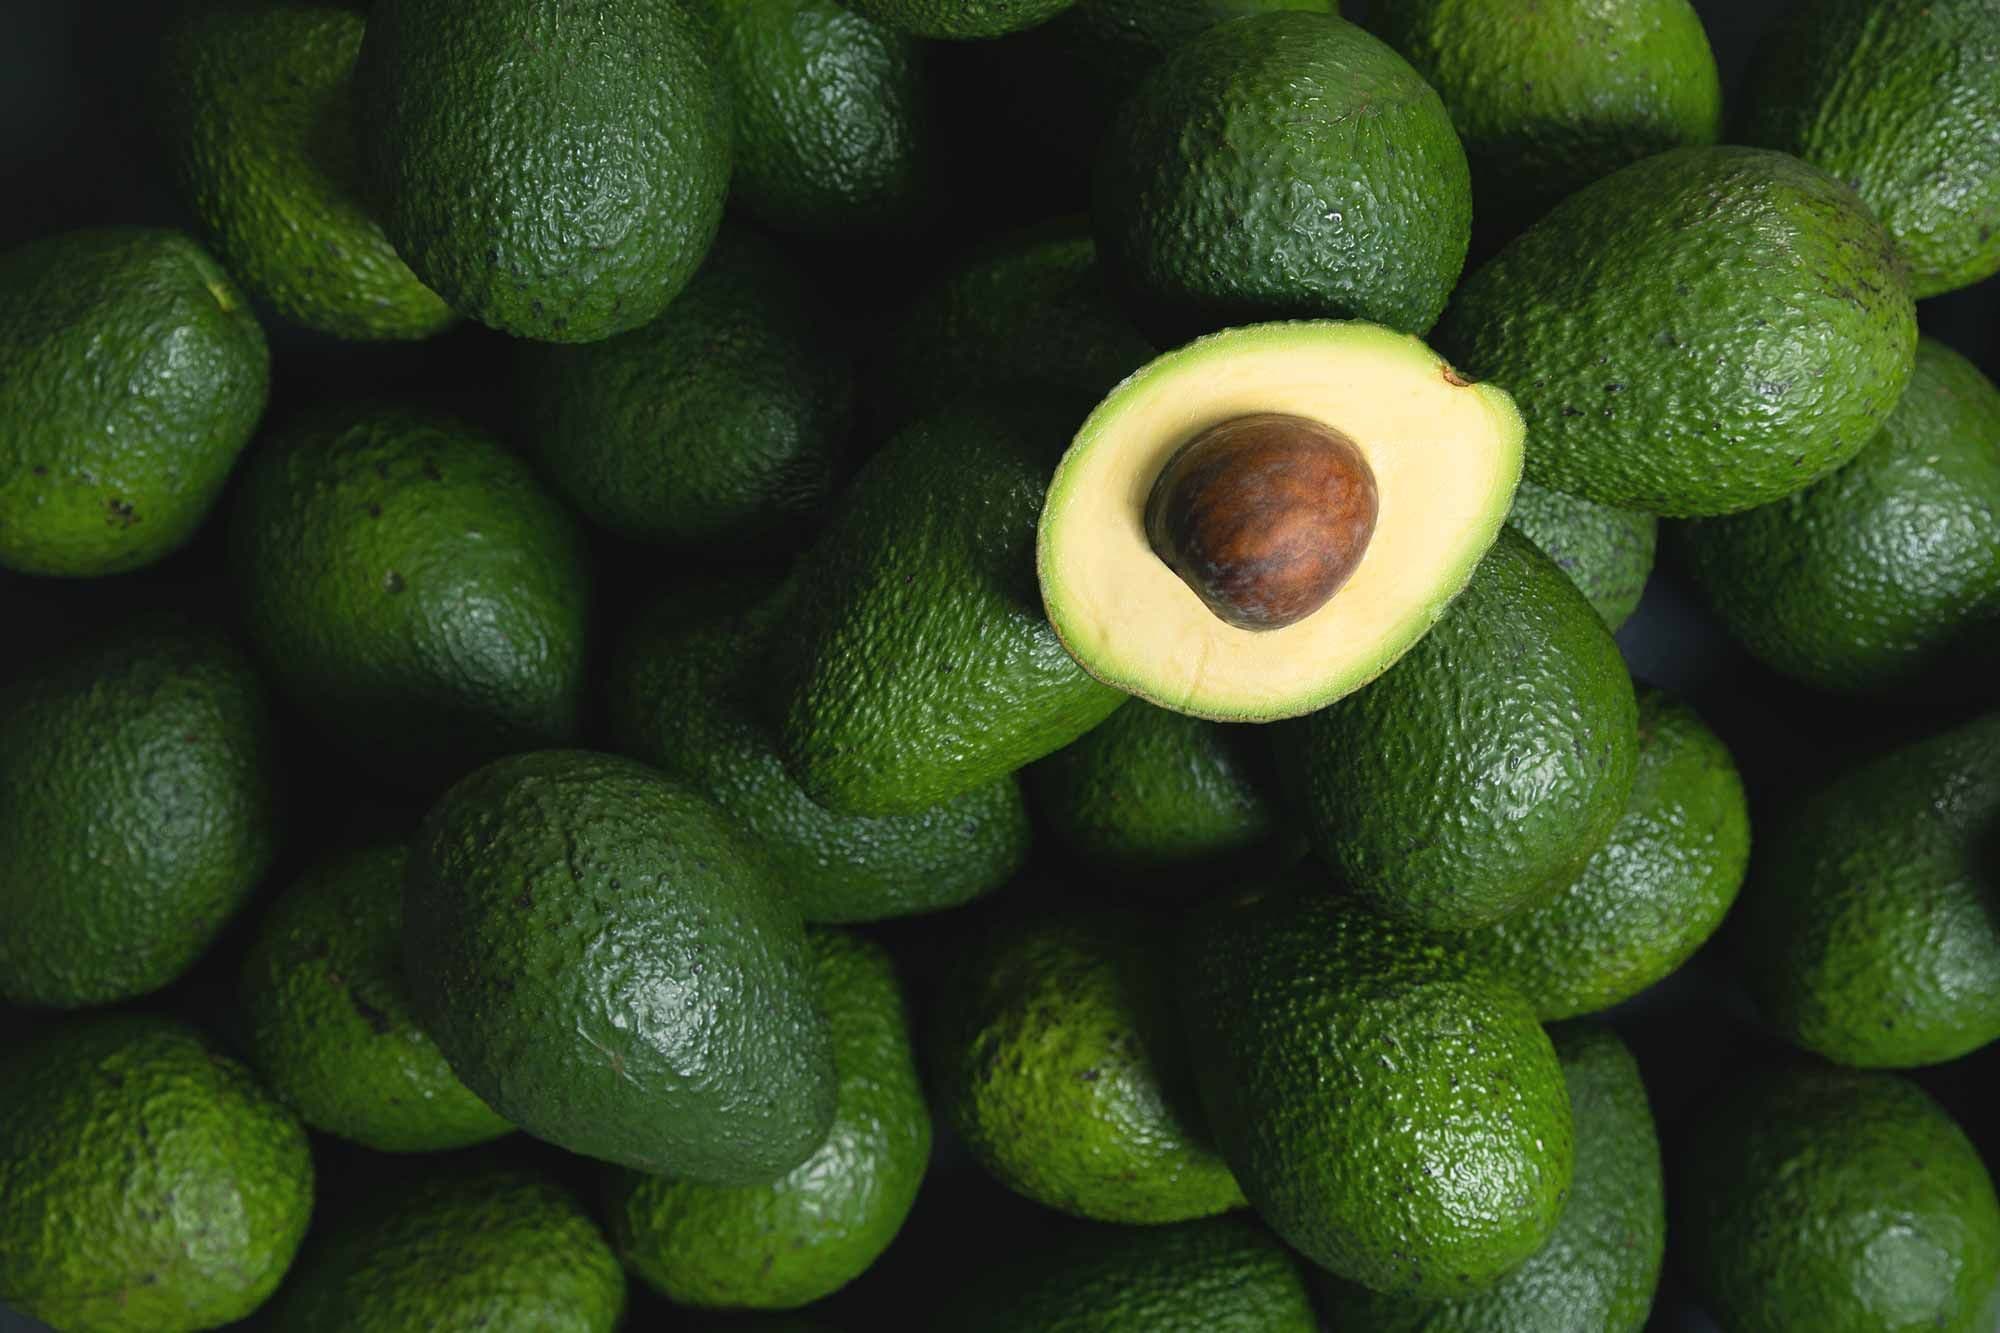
{"x":392,"y":582}
{"x":120,"y":512}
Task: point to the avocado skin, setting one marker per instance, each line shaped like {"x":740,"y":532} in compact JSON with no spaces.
{"x":259,"y":116}
{"x":132,"y":373}
{"x":959,"y":20}
{"x":1607,"y":553}
{"x":681,"y":696}
{"x":1599,"y":1271}
{"x":1481,"y":772}
{"x":1287,"y":165}
{"x":718,"y":427}
{"x":1838,"y":1201}
{"x":784,"y":1245}
{"x":1873,"y":577}
{"x":1901,"y":101}
{"x":465,"y":1248}
{"x":148,"y":1184}
{"x":1652,"y":894}
{"x":553,"y":168}
{"x":609,"y":965}
{"x":917,"y":664}
{"x":1119,"y":42}
{"x":1394,"y":1114}
{"x":1866,"y":931}
{"x":139,"y":807}
{"x":1738,"y":279}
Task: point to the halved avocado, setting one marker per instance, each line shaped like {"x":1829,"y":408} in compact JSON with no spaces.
{"x":1254,"y":525}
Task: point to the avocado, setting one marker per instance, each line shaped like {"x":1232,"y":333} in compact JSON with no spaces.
{"x":1394,"y":1114}
{"x":608,"y":964}
{"x":915,"y":664}
{"x":1607,"y":553}
{"x":1881,"y":573}
{"x":1286,"y":165}
{"x":1481,"y":774}
{"x":681,"y":695}
{"x":1119,"y":42}
{"x":805,"y":1236}
{"x":328,"y":1013}
{"x":1058,"y":1057}
{"x":553,"y":168}
{"x":1902,"y":102}
{"x":718,"y":427}
{"x":413,"y":588}
{"x":132,"y":373}
{"x":148,"y":1184}
{"x":1706,"y":330}
{"x":1652,"y":894}
{"x":1598,"y":1272}
{"x":960,"y":20}
{"x":1381,"y":467}
{"x":258,"y":115}
{"x":140,"y":804}
{"x":1551,"y":97}
{"x":464,"y":1248}
{"x":1867,"y":928}
{"x":1837,"y":1201}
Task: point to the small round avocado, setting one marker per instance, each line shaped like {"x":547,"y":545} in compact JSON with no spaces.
{"x":329,"y":1019}
{"x":1837,"y":1201}
{"x":139,"y":807}
{"x":148,"y":1184}
{"x":959,"y":20}
{"x":132,"y":373}
{"x":1607,"y":553}
{"x":805,"y":1236}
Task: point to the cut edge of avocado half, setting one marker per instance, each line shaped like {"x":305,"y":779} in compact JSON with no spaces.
{"x":1259,"y":430}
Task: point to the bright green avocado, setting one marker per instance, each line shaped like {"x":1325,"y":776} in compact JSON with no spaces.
{"x":260,"y":126}
{"x":1901,"y":101}
{"x":1884,"y":570}
{"x":805,"y":1236}
{"x":1607,"y":553}
{"x":1394,"y":1114}
{"x":957,"y":20}
{"x":139,"y":808}
{"x":132,"y":373}
{"x":1283,"y":166}
{"x":553,"y":168}
{"x":1867,"y":931}
{"x":1704,"y":331}
{"x":148,"y":1184}
{"x":611,"y":966}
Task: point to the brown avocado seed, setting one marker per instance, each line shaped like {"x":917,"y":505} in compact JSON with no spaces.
{"x":1264,"y":516}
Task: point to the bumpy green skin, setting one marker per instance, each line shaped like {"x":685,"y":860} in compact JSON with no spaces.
{"x":681,"y":695}
{"x":1059,"y":1059}
{"x":1481,"y":772}
{"x":1650,"y":896}
{"x":148,"y":1184}
{"x":1395,"y":1115}
{"x":1867,"y":931}
{"x":467,"y":1250}
{"x":1284,"y":166}
{"x":131,"y":375}
{"x":610,"y":966}
{"x":1607,"y":553}
{"x":139,"y":806}
{"x":1032,"y":315}
{"x":1599,"y":1270}
{"x":1704,"y":331}
{"x":1121,"y":41}
{"x":257,"y":102}
{"x":959,"y":20}
{"x":414,"y":589}
{"x":1220,"y":1275}
{"x":553,"y":168}
{"x":329,"y":1020}
{"x":1902,"y":101}
{"x":783,"y":1245}
{"x":1868,"y":579}
{"x":717,"y":426}
{"x":916,"y":665}
{"x":1835,"y":1201}
{"x":1552,"y":96}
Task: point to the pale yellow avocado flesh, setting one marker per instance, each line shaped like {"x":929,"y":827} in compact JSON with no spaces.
{"x":1446,"y":457}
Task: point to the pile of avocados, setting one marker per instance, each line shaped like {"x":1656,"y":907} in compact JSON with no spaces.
{"x":997,"y":666}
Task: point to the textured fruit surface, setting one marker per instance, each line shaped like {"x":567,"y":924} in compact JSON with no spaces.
{"x":961,"y":19}
{"x":1119,"y":42}
{"x":1607,"y":553}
